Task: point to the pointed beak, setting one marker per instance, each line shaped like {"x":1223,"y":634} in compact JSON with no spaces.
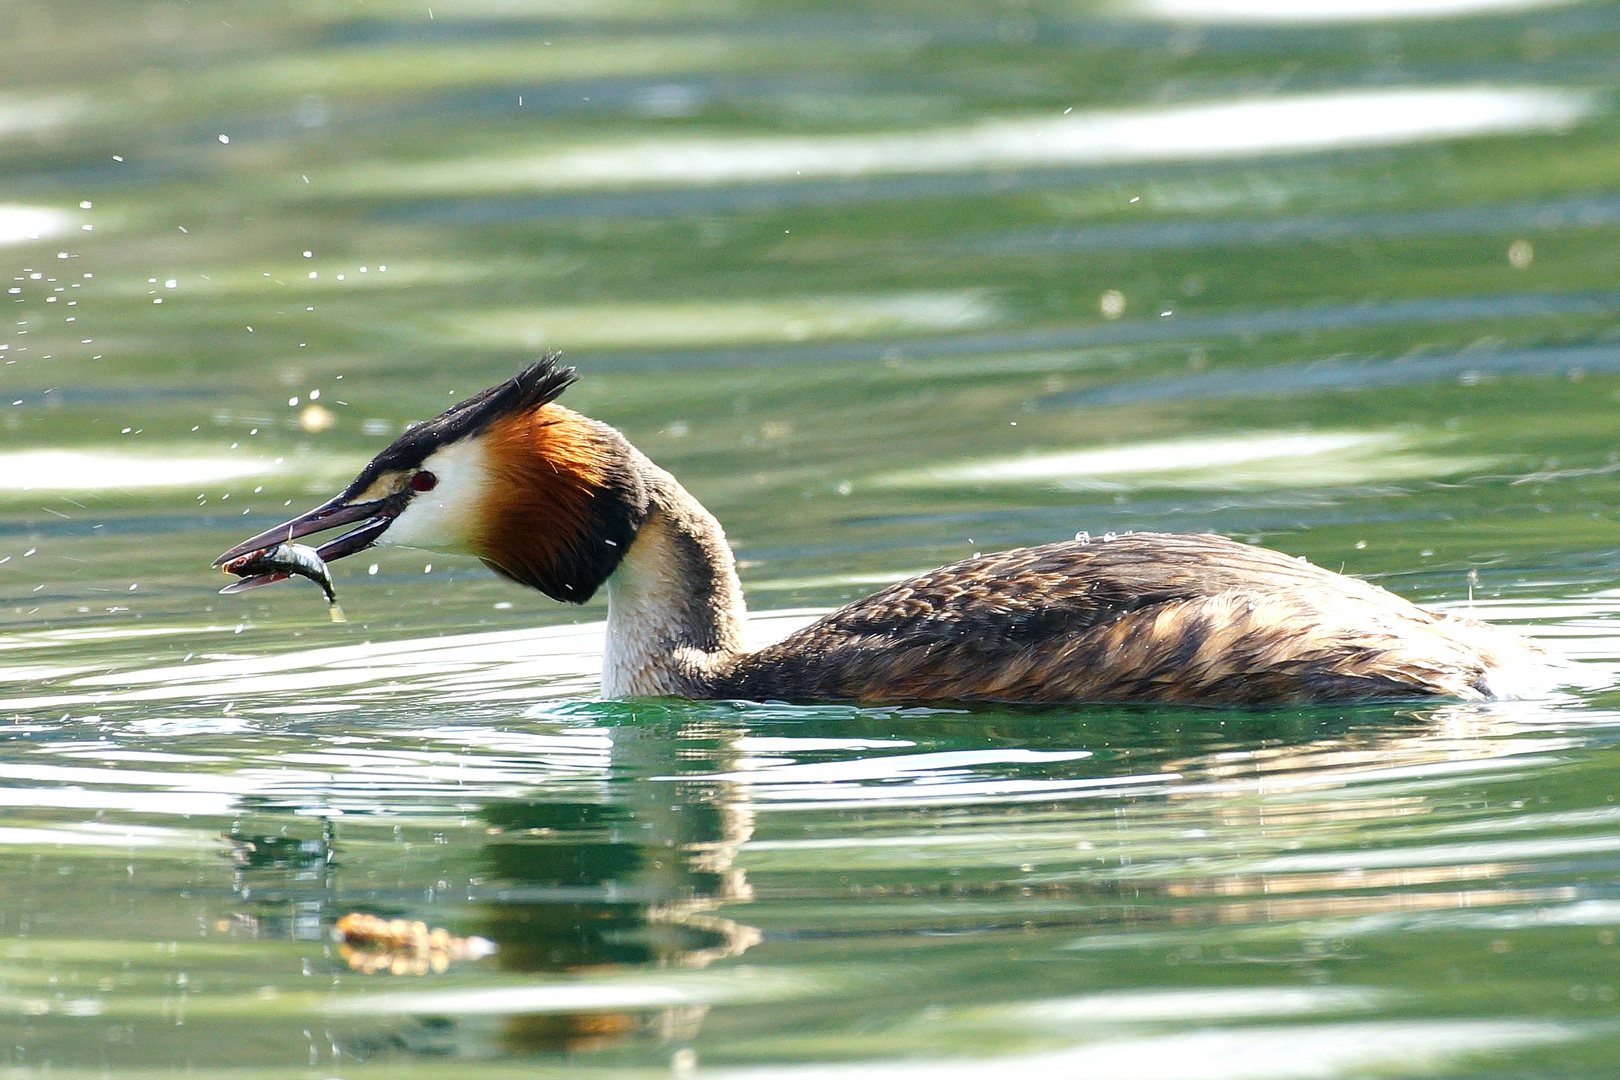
{"x":377,"y":515}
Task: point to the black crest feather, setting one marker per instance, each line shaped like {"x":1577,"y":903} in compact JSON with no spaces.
{"x":541,"y":382}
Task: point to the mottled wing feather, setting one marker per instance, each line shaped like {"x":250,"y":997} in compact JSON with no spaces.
{"x":1142,"y":617}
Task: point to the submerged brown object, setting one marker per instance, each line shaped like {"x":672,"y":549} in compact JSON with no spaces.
{"x":564,"y":504}
{"x":371,"y":944}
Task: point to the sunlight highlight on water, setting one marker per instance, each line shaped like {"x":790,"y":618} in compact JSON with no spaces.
{"x":697,"y":323}
{"x":1327,"y":11}
{"x":1247,"y":461}
{"x":93,"y":470}
{"x":23,"y":223}
{"x":1272,"y":125}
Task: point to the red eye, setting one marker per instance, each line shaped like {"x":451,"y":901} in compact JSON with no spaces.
{"x":424,"y":481}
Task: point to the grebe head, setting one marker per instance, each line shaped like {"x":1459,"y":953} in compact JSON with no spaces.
{"x":541,"y":494}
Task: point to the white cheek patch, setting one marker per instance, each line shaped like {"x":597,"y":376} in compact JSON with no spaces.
{"x":445,"y":519}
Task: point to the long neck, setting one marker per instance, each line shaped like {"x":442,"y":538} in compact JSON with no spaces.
{"x":675,"y":606}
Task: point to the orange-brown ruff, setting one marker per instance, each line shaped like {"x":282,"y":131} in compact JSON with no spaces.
{"x":540,"y":515}
{"x":565,"y":504}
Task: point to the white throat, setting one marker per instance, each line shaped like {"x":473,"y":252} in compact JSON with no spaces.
{"x":675,"y":608}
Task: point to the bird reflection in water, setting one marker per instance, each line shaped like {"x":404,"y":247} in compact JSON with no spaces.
{"x":284,"y":881}
{"x":614,"y":876}
{"x":629,"y":880}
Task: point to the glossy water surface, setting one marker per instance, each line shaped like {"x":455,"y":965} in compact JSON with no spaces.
{"x":885,"y":284}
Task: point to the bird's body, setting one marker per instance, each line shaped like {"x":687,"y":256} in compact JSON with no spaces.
{"x":565,"y":504}
{"x":1196,"y":619}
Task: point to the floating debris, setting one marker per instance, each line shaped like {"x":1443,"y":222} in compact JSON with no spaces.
{"x":371,"y":944}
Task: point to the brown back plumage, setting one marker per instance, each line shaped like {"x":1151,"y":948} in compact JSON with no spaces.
{"x":1142,"y":617}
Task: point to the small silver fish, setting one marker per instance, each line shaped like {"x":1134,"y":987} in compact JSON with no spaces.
{"x":269,"y":565}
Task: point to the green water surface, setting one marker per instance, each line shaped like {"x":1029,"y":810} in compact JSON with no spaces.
{"x":884,"y":284}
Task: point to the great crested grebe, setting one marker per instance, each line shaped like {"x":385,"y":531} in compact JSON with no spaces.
{"x":563,"y":503}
